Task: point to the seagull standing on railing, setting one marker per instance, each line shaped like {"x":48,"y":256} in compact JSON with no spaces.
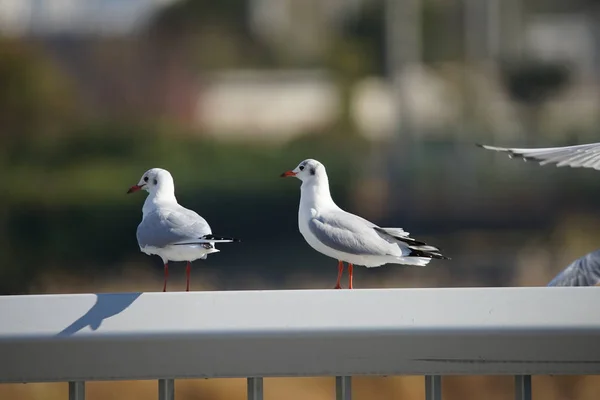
{"x":169,"y":230}
{"x":348,"y":237}
{"x":584,"y":271}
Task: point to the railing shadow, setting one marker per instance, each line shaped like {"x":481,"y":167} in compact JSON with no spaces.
{"x":106,"y":306}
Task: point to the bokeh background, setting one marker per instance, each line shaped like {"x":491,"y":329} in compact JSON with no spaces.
{"x":391,"y":95}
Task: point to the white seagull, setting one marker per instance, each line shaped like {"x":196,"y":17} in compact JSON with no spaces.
{"x":169,"y":230}
{"x":584,"y":271}
{"x":347,"y":237}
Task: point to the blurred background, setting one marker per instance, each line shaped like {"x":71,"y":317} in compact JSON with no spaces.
{"x":391,"y":95}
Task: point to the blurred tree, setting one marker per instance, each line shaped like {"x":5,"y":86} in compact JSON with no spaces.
{"x":205,"y":34}
{"x":365,"y":36}
{"x":185,"y":16}
{"x":35,"y":98}
{"x":531,"y":83}
{"x":35,"y":101}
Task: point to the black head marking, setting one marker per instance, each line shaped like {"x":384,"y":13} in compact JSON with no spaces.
{"x":313,"y":171}
{"x":155,"y":181}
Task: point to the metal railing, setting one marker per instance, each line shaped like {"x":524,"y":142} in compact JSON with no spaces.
{"x":338,"y":333}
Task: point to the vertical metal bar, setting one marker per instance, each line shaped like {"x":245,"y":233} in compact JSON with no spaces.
{"x":255,"y":388}
{"x":522,"y":387}
{"x":494,"y":29}
{"x":404,"y":49}
{"x":166,"y":389}
{"x":403,"y":22}
{"x":433,"y":387}
{"x":516,"y":17}
{"x":343,"y":388}
{"x":77,"y":390}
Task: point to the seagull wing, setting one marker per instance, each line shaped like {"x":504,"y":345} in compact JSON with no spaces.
{"x":171,"y":225}
{"x":578,"y":156}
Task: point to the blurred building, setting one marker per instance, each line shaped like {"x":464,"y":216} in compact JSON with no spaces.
{"x":94,"y":41}
{"x":276,"y":105}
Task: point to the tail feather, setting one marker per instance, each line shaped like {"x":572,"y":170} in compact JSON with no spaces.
{"x":220,"y":238}
{"x":399,"y":234}
{"x":418,"y":261}
{"x":430,"y":254}
{"x":416,"y":247}
{"x":208,"y":240}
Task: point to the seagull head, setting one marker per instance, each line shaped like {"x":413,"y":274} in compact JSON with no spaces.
{"x":154,"y":180}
{"x":307,"y":171}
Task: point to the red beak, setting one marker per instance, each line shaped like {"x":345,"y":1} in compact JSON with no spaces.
{"x":287,"y":173}
{"x":134,"y":188}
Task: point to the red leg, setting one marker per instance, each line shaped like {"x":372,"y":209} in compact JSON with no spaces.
{"x":187,"y":277}
{"x":166,"y":276}
{"x":340,"y":272}
{"x":350,"y":270}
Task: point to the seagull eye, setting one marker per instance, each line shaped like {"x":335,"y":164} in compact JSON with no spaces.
{"x":145,"y":179}
{"x":301,"y":168}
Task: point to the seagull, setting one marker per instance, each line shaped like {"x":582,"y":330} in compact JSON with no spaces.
{"x":169,"y":230}
{"x":347,"y":237}
{"x":584,"y":271}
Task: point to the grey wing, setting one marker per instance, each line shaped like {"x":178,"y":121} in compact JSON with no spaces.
{"x":163,"y":228}
{"x":584,"y":271}
{"x":578,"y":156}
{"x":348,"y":233}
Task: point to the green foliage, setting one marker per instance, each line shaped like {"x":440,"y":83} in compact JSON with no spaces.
{"x":189,"y":15}
{"x":97,"y":159}
{"x":35,"y":96}
{"x":205,"y":35}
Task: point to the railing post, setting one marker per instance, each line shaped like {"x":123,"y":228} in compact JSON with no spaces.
{"x":166,"y":389}
{"x":77,"y":390}
{"x":433,"y":387}
{"x":255,"y":388}
{"x":343,"y":388}
{"x":522,"y":387}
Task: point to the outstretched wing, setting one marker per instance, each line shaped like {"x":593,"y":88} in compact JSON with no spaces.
{"x":578,"y":156}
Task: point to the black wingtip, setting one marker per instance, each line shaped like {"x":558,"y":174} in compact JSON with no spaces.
{"x":480,"y":145}
{"x":427,"y":254}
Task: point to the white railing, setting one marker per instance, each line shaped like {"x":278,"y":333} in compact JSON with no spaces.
{"x":341,"y":333}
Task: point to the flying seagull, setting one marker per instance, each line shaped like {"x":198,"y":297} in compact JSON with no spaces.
{"x":584,"y":271}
